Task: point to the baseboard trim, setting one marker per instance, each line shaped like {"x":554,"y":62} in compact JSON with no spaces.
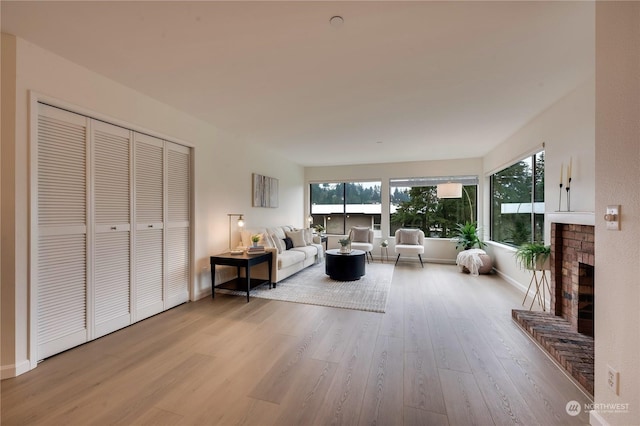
{"x":520,"y":286}
{"x":596,"y":419}
{"x":13,"y":370}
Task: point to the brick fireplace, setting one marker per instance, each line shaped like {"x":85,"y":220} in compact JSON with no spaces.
{"x":572,"y":283}
{"x":566,"y":333}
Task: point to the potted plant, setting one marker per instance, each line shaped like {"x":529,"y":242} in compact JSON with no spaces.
{"x":345,"y":245}
{"x":467,"y":237}
{"x":319,"y":228}
{"x":255,"y":239}
{"x":533,"y":256}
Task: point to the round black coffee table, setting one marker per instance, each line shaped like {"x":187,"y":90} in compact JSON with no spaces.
{"x":345,"y":267}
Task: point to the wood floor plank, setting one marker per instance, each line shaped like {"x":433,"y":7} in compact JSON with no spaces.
{"x":540,"y":390}
{"x":307,"y":392}
{"x":344,"y":398}
{"x":417,"y":417}
{"x":345,"y":326}
{"x":393,"y":320}
{"x":446,"y":346}
{"x":504,"y":401}
{"x":277,"y":381}
{"x":157,"y":417}
{"x":421,"y":381}
{"x":383,"y":402}
{"x":465,"y":404}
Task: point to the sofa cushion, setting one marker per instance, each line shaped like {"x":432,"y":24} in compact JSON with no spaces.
{"x":278,"y":243}
{"x":289,"y":258}
{"x":309,"y":251}
{"x":308,"y":236}
{"x":297,"y":237}
{"x":278,"y":232}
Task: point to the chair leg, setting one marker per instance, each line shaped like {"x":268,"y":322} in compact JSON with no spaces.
{"x":420,"y":257}
{"x":366,"y":256}
{"x":371,"y":256}
{"x":397,"y":258}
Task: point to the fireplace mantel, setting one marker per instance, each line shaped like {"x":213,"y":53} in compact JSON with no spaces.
{"x":572,"y":218}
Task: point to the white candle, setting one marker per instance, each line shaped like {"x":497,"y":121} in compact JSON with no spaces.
{"x":569,"y":170}
{"x":561,"y":169}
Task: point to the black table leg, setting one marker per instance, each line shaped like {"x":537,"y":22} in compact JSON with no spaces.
{"x":213,"y":281}
{"x":248,"y":281}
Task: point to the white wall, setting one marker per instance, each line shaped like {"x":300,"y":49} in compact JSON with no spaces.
{"x":617,"y":262}
{"x":567,"y":129}
{"x":436,"y":249}
{"x":222,"y":181}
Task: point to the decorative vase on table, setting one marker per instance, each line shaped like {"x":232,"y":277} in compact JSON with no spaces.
{"x":345,"y":246}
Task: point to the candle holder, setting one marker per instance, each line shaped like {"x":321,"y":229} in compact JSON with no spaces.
{"x":560,"y":199}
{"x":569,"y":195}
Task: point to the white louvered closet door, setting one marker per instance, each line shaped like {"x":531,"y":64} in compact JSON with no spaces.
{"x":149,"y":217}
{"x":177,"y":223}
{"x":112,"y":223}
{"x":60,"y":261}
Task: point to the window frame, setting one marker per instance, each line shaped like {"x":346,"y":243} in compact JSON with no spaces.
{"x":345,"y":211}
{"x":536,"y":199}
{"x":433,"y":181}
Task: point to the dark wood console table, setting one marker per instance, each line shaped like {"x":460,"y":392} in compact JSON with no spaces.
{"x":243,"y":260}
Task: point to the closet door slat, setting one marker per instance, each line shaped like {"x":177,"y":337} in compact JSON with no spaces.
{"x":61,"y":254}
{"x":178,"y":226}
{"x":112,"y":212}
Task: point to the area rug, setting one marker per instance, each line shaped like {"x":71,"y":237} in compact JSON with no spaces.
{"x":313,"y":287}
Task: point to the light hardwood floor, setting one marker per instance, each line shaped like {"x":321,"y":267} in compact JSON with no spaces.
{"x":445,"y":352}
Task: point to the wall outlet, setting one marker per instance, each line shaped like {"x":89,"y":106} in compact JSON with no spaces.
{"x":613,"y":380}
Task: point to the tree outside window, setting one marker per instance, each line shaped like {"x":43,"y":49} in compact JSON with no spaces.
{"x":414,"y":204}
{"x":339,"y":206}
{"x":517,"y":202}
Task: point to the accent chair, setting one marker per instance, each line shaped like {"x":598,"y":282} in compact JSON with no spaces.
{"x":409,"y":242}
{"x":362,"y":239}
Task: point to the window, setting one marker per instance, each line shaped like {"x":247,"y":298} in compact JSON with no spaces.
{"x":517,"y":202}
{"x":414,"y":204}
{"x":339,"y":206}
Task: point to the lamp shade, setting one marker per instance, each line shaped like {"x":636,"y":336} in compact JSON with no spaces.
{"x":449,"y":190}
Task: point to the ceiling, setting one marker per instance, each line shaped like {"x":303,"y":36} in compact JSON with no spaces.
{"x":398,"y":81}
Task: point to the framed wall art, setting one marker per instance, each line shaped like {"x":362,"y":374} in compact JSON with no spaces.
{"x":265,"y":191}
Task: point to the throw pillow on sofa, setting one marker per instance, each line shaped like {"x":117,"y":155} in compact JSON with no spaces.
{"x":288,"y":243}
{"x":278,"y":242}
{"x":297,"y":237}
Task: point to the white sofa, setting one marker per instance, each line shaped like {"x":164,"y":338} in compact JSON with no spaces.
{"x":306,"y":251}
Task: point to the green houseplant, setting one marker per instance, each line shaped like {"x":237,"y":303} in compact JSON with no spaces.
{"x":466,"y":236}
{"x":319,"y":228}
{"x":345,"y":245}
{"x":532,"y":256}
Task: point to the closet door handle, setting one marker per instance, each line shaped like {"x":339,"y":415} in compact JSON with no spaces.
{"x":149,"y":226}
{"x":113,"y":228}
